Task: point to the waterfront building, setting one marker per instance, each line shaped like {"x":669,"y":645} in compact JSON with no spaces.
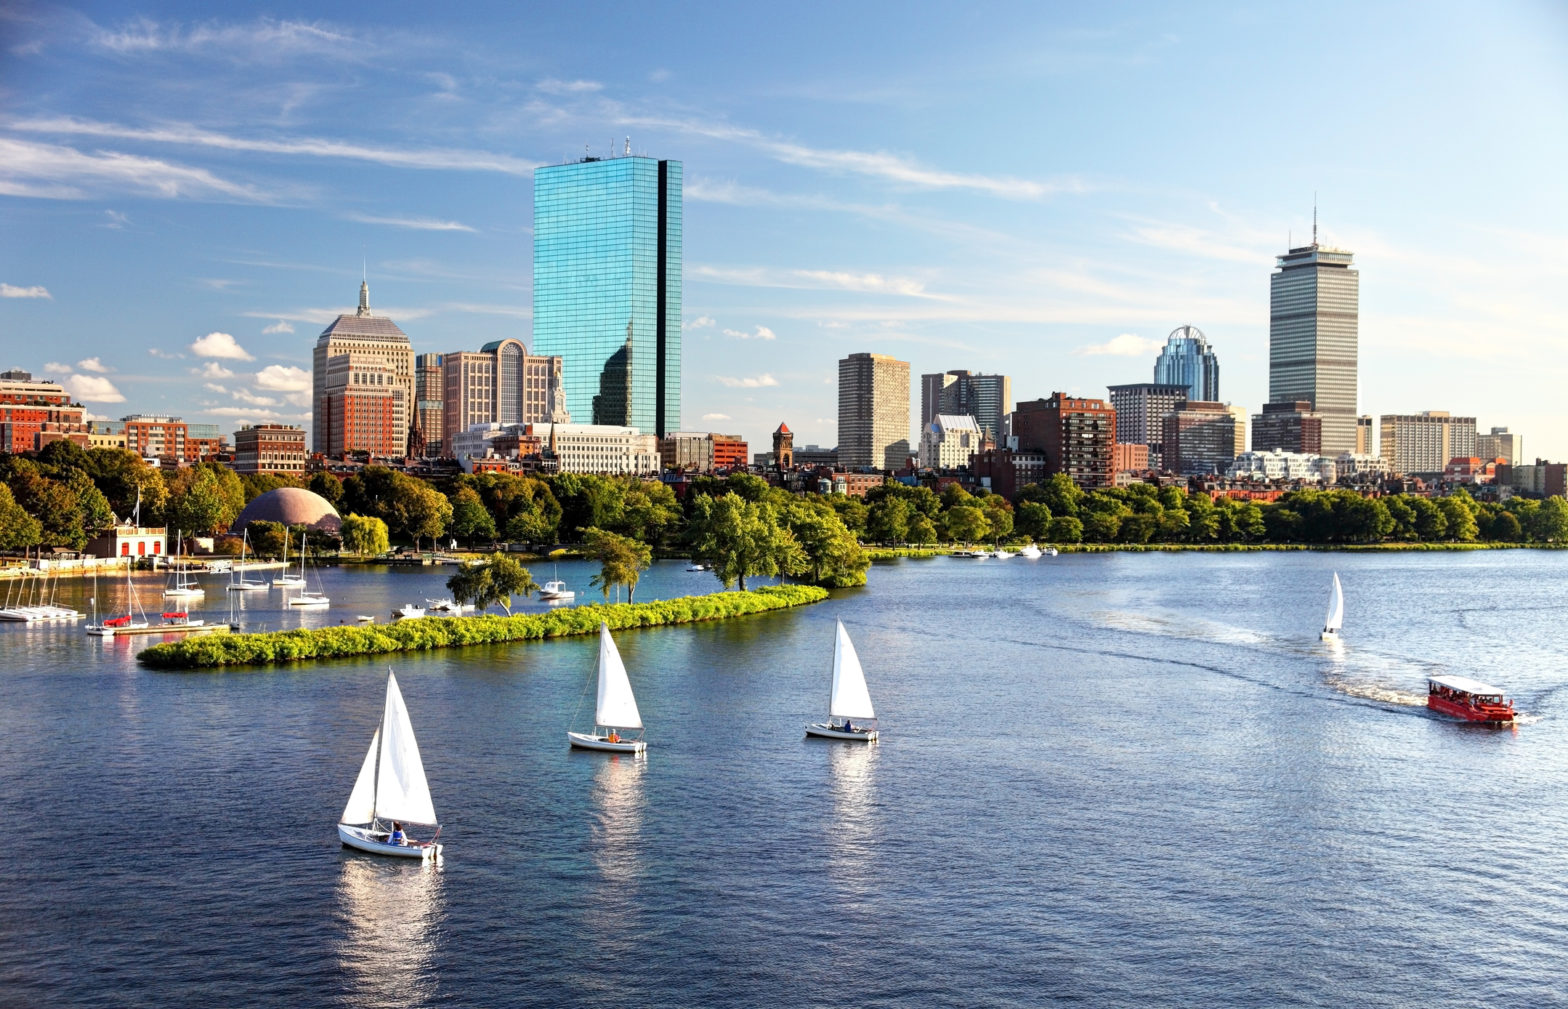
{"x":873,"y":412}
{"x":1424,"y":442}
{"x":1199,"y":438}
{"x":127,"y":540}
{"x":269,"y":448}
{"x":575,"y":448}
{"x":372,"y":342}
{"x":203,"y":441}
{"x":1140,"y":414}
{"x":1500,"y":444}
{"x":607,"y":287}
{"x":986,"y":398}
{"x":290,"y":507}
{"x":1289,"y":427}
{"x":1077,"y":435}
{"x":501,"y":383}
{"x":1277,"y":464}
{"x":948,"y":441}
{"x":1187,"y":361}
{"x":106,"y":434}
{"x":362,"y":407}
{"x":34,"y":413}
{"x":155,"y":436}
{"x":429,"y":403}
{"x":701,"y":451}
{"x":1366,"y":435}
{"x":1313,"y":336}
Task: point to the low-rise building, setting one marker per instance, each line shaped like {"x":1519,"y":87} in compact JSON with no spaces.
{"x":701,"y":451}
{"x":1007,"y":471}
{"x":155,"y":436}
{"x":129,"y":541}
{"x":269,"y":448}
{"x":106,"y":434}
{"x":1290,"y":427}
{"x":1277,"y":464}
{"x":1545,"y":479}
{"x":32,"y":414}
{"x":566,"y":448}
{"x":203,"y":441}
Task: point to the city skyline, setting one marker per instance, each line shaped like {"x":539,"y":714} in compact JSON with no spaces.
{"x":211,"y":188}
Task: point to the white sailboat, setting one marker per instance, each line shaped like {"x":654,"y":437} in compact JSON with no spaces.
{"x":306,"y":597}
{"x":185,"y":586}
{"x":287,"y":580}
{"x":107,"y":628}
{"x":849,"y":699}
{"x":615,"y":709}
{"x":1336,"y":612}
{"x":391,"y":791}
{"x":239,"y":583}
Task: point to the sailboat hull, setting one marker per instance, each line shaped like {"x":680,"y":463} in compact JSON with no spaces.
{"x":1329,"y":636}
{"x":584,"y":741}
{"x":361,"y":839}
{"x":832,"y":732}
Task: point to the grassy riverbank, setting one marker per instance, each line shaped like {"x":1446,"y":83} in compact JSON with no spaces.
{"x":893,"y":553}
{"x":456,"y":632}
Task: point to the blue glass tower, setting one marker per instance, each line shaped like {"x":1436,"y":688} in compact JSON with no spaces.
{"x":1188,"y":361}
{"x":607,"y":287}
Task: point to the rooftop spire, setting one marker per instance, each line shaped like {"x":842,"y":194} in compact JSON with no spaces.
{"x":1314,"y":220}
{"x":364,"y":299}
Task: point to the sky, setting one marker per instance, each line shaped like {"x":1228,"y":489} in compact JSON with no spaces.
{"x":189,"y":193}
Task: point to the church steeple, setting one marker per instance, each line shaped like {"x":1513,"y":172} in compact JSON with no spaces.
{"x":364,"y":299}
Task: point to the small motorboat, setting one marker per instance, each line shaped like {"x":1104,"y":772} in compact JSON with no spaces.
{"x":696,"y":566}
{"x":848,"y":698}
{"x":1031,"y":551}
{"x":408,"y":611}
{"x":1336,"y":612}
{"x":362,"y":618}
{"x":1002,"y":555}
{"x":970,"y":555}
{"x":447,"y":607}
{"x":555,"y":591}
{"x":391,"y":790}
{"x":1471,"y":700}
{"x":615,"y":708}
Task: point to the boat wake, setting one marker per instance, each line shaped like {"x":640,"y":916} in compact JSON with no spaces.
{"x":1379,"y":692}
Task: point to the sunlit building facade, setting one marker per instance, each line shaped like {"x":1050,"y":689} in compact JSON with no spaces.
{"x":1187,"y":360}
{"x":1314,"y":299}
{"x":607,"y":287}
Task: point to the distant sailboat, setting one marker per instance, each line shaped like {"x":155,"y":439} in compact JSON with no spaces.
{"x":615,"y":709}
{"x":108,"y":627}
{"x":391,"y":790}
{"x":286,"y":580}
{"x":240,"y":583}
{"x":184,"y":587}
{"x":848,"y":699}
{"x":1336,"y":612}
{"x":307,"y":597}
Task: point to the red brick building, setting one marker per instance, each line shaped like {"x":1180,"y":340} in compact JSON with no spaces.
{"x":32,"y":414}
{"x":269,"y":448}
{"x":1077,"y":435}
{"x":156,"y":437}
{"x":1005,"y":471}
{"x":1130,"y":457}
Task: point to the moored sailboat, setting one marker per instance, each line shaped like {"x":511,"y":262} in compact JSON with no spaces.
{"x":107,"y":628}
{"x":1335,"y":617}
{"x":287,"y":580}
{"x":307,"y":597}
{"x":240,"y":583}
{"x":848,"y":699}
{"x":391,"y":790}
{"x":185,"y":586}
{"x":615,"y":708}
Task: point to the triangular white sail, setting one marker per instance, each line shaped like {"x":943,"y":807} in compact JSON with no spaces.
{"x":361,"y":806}
{"x":617,"y":707}
{"x":402,"y":793}
{"x":850,"y":697}
{"x":1336,"y":607}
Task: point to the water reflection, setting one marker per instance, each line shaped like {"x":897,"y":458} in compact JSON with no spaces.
{"x":852,"y":833}
{"x":617,"y":801}
{"x":391,"y":911}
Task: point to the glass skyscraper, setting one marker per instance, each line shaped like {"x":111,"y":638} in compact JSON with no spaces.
{"x":1187,"y":360}
{"x":607,"y":287}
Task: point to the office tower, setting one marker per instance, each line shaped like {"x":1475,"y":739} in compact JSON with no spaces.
{"x":376,"y":342}
{"x":429,"y":400}
{"x":1424,"y":442}
{"x":1199,"y":438}
{"x":986,"y":398}
{"x":202,"y":441}
{"x":1140,"y":415}
{"x":873,"y":412}
{"x":607,"y":287}
{"x":1239,"y":415}
{"x":1188,"y":361}
{"x":363,"y":406}
{"x":1078,"y":437}
{"x":1364,"y":434}
{"x":1289,"y":427}
{"x":1313,"y":299}
{"x":501,"y":383}
{"x":1500,"y":444}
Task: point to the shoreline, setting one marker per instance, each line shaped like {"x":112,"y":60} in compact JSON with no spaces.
{"x":920,"y":553}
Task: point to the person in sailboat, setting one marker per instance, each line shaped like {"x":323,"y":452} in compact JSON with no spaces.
{"x":397,"y":836}
{"x":849,"y":726}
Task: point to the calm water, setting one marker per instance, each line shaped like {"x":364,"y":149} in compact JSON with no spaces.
{"x":1113,"y":780}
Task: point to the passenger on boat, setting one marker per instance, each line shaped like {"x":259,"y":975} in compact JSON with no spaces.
{"x":397,"y":834}
{"x":849,"y":726}
{"x":613,"y":737}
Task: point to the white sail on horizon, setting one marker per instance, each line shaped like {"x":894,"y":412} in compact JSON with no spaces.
{"x":616,"y":707}
{"x":1336,"y":607}
{"x":849,"y":698}
{"x":361,"y":806}
{"x":402,"y":793}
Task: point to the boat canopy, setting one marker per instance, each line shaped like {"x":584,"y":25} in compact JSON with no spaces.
{"x":1464,"y":684}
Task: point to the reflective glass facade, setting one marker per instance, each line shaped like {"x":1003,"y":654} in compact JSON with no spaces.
{"x":1188,"y":361}
{"x":607,"y":287}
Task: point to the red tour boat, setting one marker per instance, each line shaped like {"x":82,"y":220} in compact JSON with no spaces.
{"x":1472,"y":700}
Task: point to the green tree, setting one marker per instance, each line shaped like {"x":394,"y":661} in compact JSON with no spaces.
{"x":966,"y":523}
{"x":739,"y":538}
{"x":921,"y":529}
{"x":649,"y":511}
{"x":1459,"y":519}
{"x":1203,"y":519}
{"x":1066,"y":529}
{"x":267,"y":538}
{"x":91,"y":505}
{"x":588,"y":501}
{"x":888,"y":520}
{"x":470,"y":519}
{"x":1061,"y":495}
{"x":622,"y":560}
{"x":1549,"y":521}
{"x":51,"y":502}
{"x":999,"y":516}
{"x":198,"y":504}
{"x":18,"y":530}
{"x":365,"y":535}
{"x":1504,"y":527}
{"x":1102,"y":525}
{"x":328,"y":486}
{"x":1032,"y":519}
{"x":418,"y":510}
{"x":851,"y":511}
{"x":1431,"y":525}
{"x":491,"y":582}
{"x":825,"y":552}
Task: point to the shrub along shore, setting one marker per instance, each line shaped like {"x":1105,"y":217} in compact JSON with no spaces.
{"x":227,"y":650}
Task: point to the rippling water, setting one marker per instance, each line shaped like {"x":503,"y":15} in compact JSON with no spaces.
{"x":1111,"y":779}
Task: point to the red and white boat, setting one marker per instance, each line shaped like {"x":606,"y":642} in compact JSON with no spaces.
{"x":1472,"y":700}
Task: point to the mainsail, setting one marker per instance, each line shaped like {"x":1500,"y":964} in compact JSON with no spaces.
{"x":361,"y":806}
{"x":617,"y":707}
{"x":1336,"y":607}
{"x":850,"y":698}
{"x":401,"y":790}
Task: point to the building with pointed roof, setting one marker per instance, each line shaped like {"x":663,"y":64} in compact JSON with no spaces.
{"x":380,"y":358}
{"x":783,"y":448}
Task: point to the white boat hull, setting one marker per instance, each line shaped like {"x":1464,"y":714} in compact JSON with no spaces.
{"x":184,"y":593}
{"x":1329,"y":636}
{"x":310,"y":601}
{"x":832,"y":732}
{"x":585,"y":741}
{"x":288,"y":582}
{"x":362,"y":839}
{"x":247,"y":587}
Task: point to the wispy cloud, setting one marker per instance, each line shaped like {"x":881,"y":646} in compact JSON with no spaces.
{"x":701,"y":322}
{"x":1123,"y":345}
{"x":552,"y":86}
{"x":246,"y":396}
{"x":760,"y":333}
{"x":453,"y":159}
{"x":220,"y":345}
{"x":36,"y":291}
{"x":56,"y":368}
{"x":114,"y":220}
{"x":92,"y":389}
{"x":283,"y":378}
{"x":715,"y":416}
{"x":53,"y":172}
{"x":759,"y":382}
{"x":163,"y":354}
{"x":411,"y":223}
{"x":265,"y":38}
{"x":94,"y":365}
{"x":279,"y":327}
{"x":242,"y":412}
{"x":815,"y":280}
{"x":212,"y":369}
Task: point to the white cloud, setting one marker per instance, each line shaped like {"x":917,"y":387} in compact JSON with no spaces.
{"x":52,"y":172}
{"x":1124,"y":345}
{"x":246,"y":396}
{"x":761,"y":333}
{"x":701,"y":322}
{"x":56,"y":368}
{"x":715,"y":416}
{"x":245,"y":412}
{"x":760,"y":382}
{"x":551,"y":86}
{"x":265,"y":38}
{"x":412,"y":223}
{"x":212,"y":369}
{"x":869,"y":282}
{"x":93,"y":364}
{"x":215,"y":387}
{"x":815,"y":280}
{"x":279,"y":327}
{"x":283,"y":378}
{"x":92,"y":389}
{"x":116,"y":220}
{"x":36,"y":291}
{"x":220,"y":345}
{"x":164,"y":354}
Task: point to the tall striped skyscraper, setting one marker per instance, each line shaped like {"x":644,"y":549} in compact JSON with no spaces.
{"x":1314,"y":298}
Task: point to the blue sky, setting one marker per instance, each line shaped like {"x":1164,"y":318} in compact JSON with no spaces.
{"x":1040,"y":189}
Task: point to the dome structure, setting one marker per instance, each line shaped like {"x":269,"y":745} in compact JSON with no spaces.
{"x":292,"y":506}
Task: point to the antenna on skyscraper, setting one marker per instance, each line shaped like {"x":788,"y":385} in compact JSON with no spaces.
{"x":1314,"y":218}
{"x":628,"y":146}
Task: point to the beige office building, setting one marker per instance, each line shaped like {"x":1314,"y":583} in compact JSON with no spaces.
{"x":376,"y":342}
{"x":501,"y":383}
{"x":1500,"y":444}
{"x":1425,"y":442}
{"x":1314,"y":300}
{"x":873,"y":412}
